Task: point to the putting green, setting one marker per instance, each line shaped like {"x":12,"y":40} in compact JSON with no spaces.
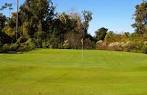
{"x":66,"y":72}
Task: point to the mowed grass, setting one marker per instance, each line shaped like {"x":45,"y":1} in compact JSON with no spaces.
{"x":66,"y":72}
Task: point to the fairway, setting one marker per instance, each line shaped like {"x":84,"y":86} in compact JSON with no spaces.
{"x":66,"y":72}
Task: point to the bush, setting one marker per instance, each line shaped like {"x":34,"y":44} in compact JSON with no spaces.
{"x":38,"y":43}
{"x":129,"y":46}
{"x":22,"y":40}
{"x":116,"y":46}
{"x":5,"y":48}
{"x":1,"y":49}
{"x":22,"y":44}
{"x":26,"y":46}
{"x":66,"y":44}
{"x":135,"y":46}
{"x":14,"y":47}
{"x":44,"y":44}
{"x":88,"y":44}
{"x":145,"y":49}
{"x":101,"y":45}
{"x":1,"y":43}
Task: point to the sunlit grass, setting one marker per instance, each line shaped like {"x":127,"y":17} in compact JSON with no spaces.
{"x":65,"y":72}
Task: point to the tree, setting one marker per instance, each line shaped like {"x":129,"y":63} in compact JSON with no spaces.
{"x":69,"y":29}
{"x":39,"y":24}
{"x":140,"y":16}
{"x":7,"y":6}
{"x":34,"y":12}
{"x":87,"y":18}
{"x":2,"y":21}
{"x":7,"y":32}
{"x":101,"y":33}
{"x":84,"y":33}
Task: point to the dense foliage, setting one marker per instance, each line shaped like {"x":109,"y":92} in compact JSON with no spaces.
{"x":40,"y":26}
{"x":141,"y":18}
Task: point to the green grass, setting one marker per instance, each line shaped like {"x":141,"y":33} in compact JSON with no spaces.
{"x":65,"y":72}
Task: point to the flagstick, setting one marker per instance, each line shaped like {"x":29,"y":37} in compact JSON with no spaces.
{"x":82,"y":49}
{"x":82,"y":41}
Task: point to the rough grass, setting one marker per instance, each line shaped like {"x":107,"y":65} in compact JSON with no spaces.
{"x":65,"y":72}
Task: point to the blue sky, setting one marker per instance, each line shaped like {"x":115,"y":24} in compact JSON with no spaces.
{"x":116,"y":15}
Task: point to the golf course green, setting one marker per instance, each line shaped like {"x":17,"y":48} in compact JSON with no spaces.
{"x":67,"y":72}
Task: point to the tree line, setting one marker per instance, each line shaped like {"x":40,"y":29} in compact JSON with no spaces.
{"x":40,"y":26}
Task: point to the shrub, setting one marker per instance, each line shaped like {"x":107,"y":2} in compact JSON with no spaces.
{"x":66,"y":44}
{"x":115,"y":46}
{"x":129,"y":46}
{"x":44,"y":44}
{"x":145,"y":42}
{"x":38,"y":43}
{"x":5,"y":48}
{"x":13,"y":47}
{"x":88,"y":44}
{"x":22,"y":40}
{"x":101,"y":45}
{"x":1,"y":43}
{"x":145,"y":49}
{"x":26,"y":46}
{"x":1,"y":49}
{"x":9,"y":31}
{"x":22,"y":44}
{"x":134,"y":46}
{"x":30,"y":44}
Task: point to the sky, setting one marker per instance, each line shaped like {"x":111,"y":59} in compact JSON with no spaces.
{"x":116,"y":15}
